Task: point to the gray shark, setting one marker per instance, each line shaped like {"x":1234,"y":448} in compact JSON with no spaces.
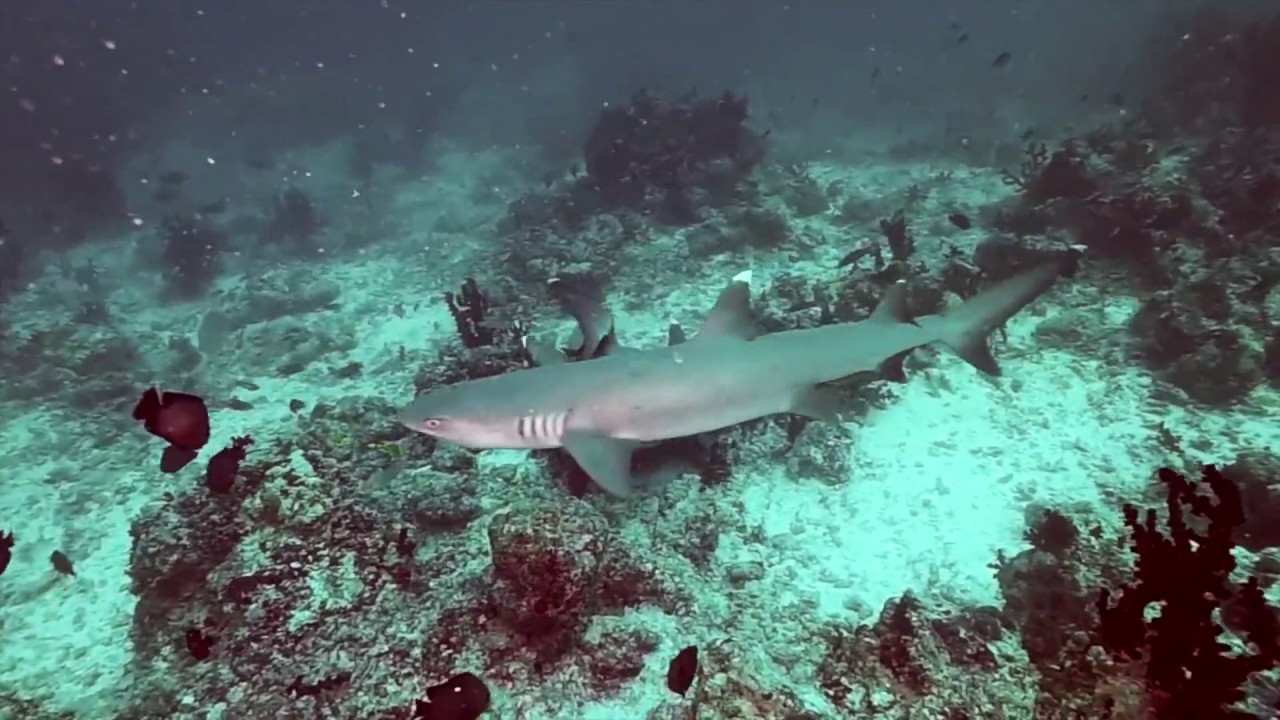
{"x":602,"y":409}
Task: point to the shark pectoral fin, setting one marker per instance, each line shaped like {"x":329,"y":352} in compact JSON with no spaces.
{"x":731,"y":315}
{"x":819,"y":403}
{"x":606,"y":460}
{"x":891,"y":368}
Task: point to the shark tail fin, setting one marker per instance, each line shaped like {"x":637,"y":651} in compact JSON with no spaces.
{"x":965,"y":329}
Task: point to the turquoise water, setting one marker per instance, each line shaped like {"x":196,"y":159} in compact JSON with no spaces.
{"x":306,"y":214}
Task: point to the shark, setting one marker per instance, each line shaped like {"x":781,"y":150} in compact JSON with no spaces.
{"x":602,"y":408}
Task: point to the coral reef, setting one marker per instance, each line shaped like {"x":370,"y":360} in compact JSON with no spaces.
{"x":651,"y":147}
{"x":913,"y":663}
{"x":1191,"y":672}
{"x":293,"y":220}
{"x":1194,"y":50}
{"x":190,"y":252}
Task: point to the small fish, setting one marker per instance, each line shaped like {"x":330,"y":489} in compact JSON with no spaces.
{"x":875,"y":75}
{"x":295,"y":406}
{"x":180,"y":419}
{"x":1117,"y":99}
{"x":962,"y":39}
{"x":174,"y":177}
{"x":1026,"y":134}
{"x":167,"y":194}
{"x":220,"y":473}
{"x":6,"y":550}
{"x":217,"y":207}
{"x":868,"y":248}
{"x":199,"y":644}
{"x":1084,"y":97}
{"x":682,"y":670}
{"x":62,"y":563}
{"x":960,"y":220}
{"x":1002,"y":60}
{"x":461,"y":697}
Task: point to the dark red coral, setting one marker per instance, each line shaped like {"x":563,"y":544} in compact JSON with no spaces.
{"x":1185,"y":571}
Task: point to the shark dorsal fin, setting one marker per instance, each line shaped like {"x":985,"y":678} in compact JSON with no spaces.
{"x":731,"y":315}
{"x":893,"y":306}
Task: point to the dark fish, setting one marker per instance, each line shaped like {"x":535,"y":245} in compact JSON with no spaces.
{"x":167,"y":194}
{"x":295,"y":406}
{"x":682,"y":670}
{"x":960,"y":221}
{"x":180,"y":419}
{"x":174,"y":177}
{"x":175,"y":458}
{"x":299,"y":689}
{"x":1084,"y":97}
{"x":220,"y":473}
{"x":62,"y":563}
{"x":6,"y":550}
{"x":461,"y":697}
{"x":217,"y":207}
{"x":875,"y":74}
{"x":238,"y":404}
{"x":199,"y":644}
{"x":867,"y":248}
{"x":962,"y":39}
{"x":1026,"y":134}
{"x":1117,"y":99}
{"x":1002,"y":60}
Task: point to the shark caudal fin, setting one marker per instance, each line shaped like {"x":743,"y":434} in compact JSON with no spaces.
{"x":965,"y":329}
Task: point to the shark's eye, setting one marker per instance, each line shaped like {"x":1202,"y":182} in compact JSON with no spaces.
{"x":432,"y":424}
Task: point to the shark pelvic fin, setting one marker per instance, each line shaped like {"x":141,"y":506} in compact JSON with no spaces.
{"x":892,"y":367}
{"x":731,"y":315}
{"x":893,"y":306}
{"x":819,"y":403}
{"x":606,"y":460}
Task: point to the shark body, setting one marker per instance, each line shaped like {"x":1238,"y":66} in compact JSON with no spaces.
{"x":600,"y":410}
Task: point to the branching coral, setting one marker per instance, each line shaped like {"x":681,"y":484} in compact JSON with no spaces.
{"x":1185,"y":572}
{"x":901,"y":244}
{"x":469,"y":308}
